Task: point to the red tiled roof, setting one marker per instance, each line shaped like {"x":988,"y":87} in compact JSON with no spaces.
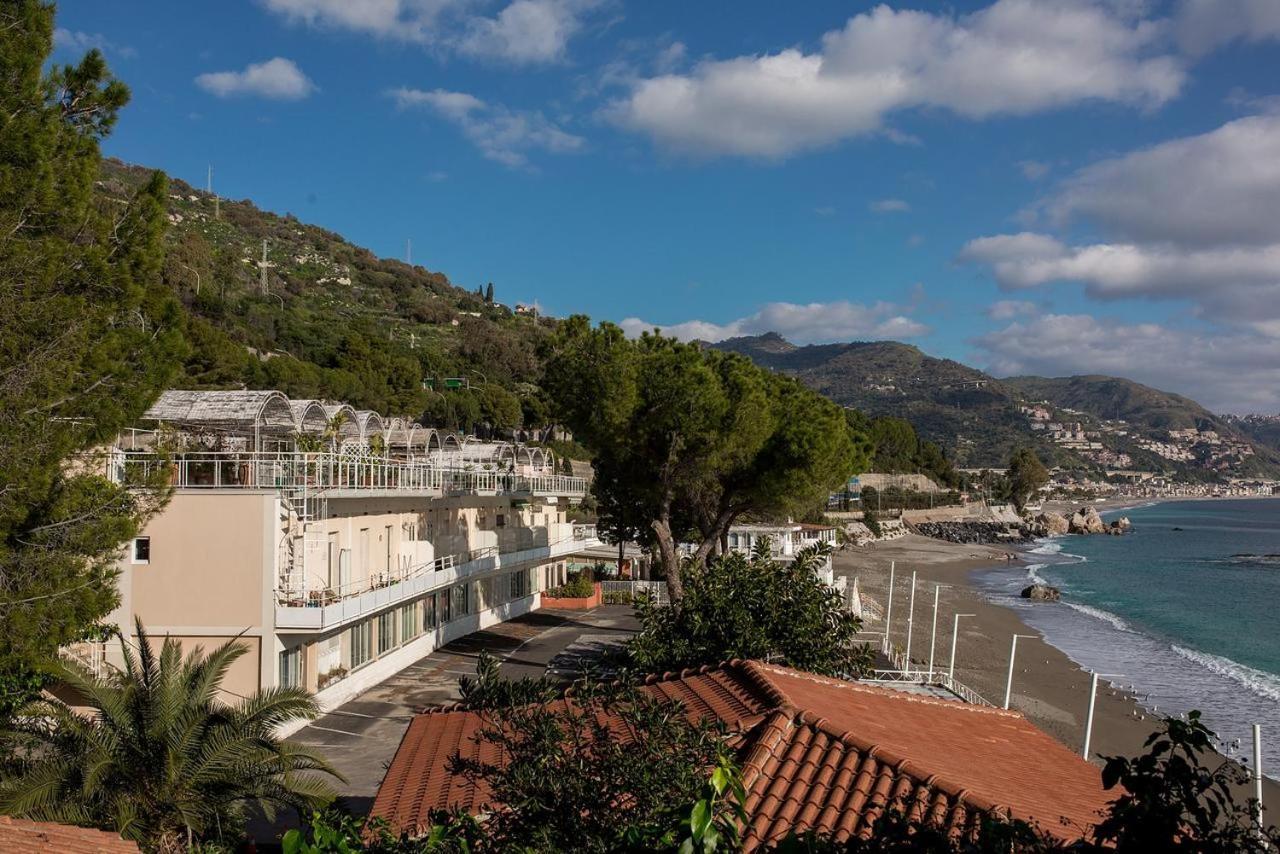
{"x":19,"y":836}
{"x":816,"y":753}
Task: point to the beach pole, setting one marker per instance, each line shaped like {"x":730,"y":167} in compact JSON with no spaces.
{"x":1257,"y":772}
{"x":1008,"y":683}
{"x":933,"y":635}
{"x":888,"y":613}
{"x":1088,"y":724}
{"x":955,"y":633}
{"x":911,"y":618}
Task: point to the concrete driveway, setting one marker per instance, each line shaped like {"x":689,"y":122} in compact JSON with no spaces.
{"x":360,"y":737}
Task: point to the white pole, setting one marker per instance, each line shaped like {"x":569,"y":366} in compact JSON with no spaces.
{"x":888,"y":612}
{"x":1088,"y":723}
{"x":933,"y":635}
{"x":1008,"y":684}
{"x":1257,"y":771}
{"x":955,"y":633}
{"x":911,"y":617}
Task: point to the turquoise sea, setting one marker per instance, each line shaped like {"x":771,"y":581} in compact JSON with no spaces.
{"x":1186,"y":608}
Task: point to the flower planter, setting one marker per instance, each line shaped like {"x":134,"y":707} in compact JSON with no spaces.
{"x":579,"y":603}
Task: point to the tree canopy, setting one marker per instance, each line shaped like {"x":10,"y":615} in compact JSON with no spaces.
{"x":1026,"y":475}
{"x":688,"y":440}
{"x":89,"y":334}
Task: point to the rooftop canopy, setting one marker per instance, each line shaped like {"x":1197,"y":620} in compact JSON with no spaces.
{"x":245,"y":412}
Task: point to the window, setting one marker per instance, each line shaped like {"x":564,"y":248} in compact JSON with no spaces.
{"x":409,"y":622}
{"x":361,"y":643}
{"x":461,"y":599}
{"x":502,"y":520}
{"x":141,"y":550}
{"x":386,"y":632}
{"x":519,"y":585}
{"x":291,"y":668}
{"x":429,"y":613}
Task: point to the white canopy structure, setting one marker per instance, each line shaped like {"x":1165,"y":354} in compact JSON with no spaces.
{"x":241,"y":412}
{"x":309,"y":416}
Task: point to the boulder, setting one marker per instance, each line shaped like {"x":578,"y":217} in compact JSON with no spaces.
{"x":1086,"y":521}
{"x":1052,"y":524}
{"x":1041,"y":593}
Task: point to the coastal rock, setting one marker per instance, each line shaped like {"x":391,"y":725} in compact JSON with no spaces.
{"x":1041,"y":593}
{"x":1049,"y":524}
{"x":1086,"y":521}
{"x":973,"y":532}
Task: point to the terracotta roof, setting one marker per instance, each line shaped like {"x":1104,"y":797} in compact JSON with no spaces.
{"x":19,"y":836}
{"x":816,"y":753}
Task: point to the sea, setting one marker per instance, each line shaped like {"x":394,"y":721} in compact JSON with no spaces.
{"x":1185,"y":609}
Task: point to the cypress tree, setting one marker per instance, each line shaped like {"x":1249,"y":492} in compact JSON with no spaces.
{"x":88,"y":336}
{"x":488,"y":294}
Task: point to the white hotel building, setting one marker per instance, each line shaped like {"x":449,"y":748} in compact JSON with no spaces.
{"x":338,"y":545}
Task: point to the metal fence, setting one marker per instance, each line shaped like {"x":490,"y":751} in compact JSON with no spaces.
{"x":629,"y":591}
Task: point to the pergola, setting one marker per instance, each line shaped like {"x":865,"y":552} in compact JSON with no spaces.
{"x":349,"y":423}
{"x":309,"y":416}
{"x":242,"y":413}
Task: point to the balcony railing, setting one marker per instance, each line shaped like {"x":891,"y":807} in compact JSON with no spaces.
{"x":323,"y":472}
{"x":311,"y":604}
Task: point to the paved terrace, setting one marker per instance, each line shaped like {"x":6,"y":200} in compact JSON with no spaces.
{"x":360,"y":737}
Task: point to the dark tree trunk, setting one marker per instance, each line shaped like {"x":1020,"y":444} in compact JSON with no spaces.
{"x":670,"y":560}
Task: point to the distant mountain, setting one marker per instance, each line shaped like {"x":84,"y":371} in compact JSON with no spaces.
{"x":979,"y":419}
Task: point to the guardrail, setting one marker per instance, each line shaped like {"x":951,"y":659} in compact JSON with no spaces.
{"x":656,"y":590}
{"x":324,"y":471}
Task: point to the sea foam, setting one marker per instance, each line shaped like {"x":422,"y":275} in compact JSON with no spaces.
{"x":1099,"y":614}
{"x":1261,"y":683}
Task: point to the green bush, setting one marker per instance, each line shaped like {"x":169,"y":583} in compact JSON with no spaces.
{"x":579,"y":586}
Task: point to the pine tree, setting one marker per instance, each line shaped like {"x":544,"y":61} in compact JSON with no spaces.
{"x":88,"y":335}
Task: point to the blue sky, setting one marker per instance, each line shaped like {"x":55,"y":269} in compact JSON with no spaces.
{"x":1046,"y":186}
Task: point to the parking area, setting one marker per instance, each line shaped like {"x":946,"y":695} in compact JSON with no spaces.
{"x":360,"y":737}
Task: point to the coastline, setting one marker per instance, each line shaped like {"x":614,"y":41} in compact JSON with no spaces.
{"x":1049,"y":688}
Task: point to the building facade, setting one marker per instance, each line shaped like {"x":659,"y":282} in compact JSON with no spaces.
{"x":337,"y":557}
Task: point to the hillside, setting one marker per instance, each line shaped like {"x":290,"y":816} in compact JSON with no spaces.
{"x":1086,"y":422}
{"x":335,"y":321}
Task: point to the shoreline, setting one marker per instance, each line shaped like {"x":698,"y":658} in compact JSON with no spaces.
{"x":1049,"y":688}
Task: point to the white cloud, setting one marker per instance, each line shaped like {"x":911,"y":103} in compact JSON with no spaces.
{"x":1008,"y":309}
{"x":1203,"y":25}
{"x":1033,"y":170}
{"x":803,"y":324}
{"x":276,"y":78}
{"x":1220,"y":187}
{"x":79,"y":40}
{"x":1239,"y":373}
{"x":501,"y":134}
{"x":523,"y":32}
{"x":1013,"y":57}
{"x":890,"y":206}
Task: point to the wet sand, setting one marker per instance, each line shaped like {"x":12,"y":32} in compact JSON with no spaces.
{"x":1050,"y":689}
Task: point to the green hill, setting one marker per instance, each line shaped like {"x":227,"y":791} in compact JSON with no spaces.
{"x":335,"y":321}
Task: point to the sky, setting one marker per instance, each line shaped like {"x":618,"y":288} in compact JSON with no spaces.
{"x":1053,"y":187}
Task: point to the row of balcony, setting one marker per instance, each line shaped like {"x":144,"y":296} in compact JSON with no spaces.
{"x":336,"y":473}
{"x":310,"y":603}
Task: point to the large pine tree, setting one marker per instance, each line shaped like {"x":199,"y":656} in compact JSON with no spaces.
{"x":88,"y":335}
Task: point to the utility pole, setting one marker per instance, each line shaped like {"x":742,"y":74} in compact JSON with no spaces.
{"x":262,"y":268}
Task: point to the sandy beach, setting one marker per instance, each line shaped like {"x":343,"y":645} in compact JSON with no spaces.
{"x":1048,"y":687}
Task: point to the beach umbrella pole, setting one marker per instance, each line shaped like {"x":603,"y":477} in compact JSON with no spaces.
{"x":1257,"y":771}
{"x":911,"y":617}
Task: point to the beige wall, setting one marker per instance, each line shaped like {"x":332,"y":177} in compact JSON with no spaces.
{"x":212,"y":564}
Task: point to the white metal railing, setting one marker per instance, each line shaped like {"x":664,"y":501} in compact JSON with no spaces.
{"x":318,"y":592}
{"x":584,"y":532}
{"x":90,"y":654}
{"x":324,"y":471}
{"x":656,"y":590}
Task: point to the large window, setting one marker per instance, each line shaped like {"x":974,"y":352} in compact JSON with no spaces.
{"x":461,"y":600}
{"x":386,"y":632}
{"x":429,"y":613}
{"x":291,"y":668}
{"x":446,"y":605}
{"x":519,"y":584}
{"x":361,"y":643}
{"x":409,"y":622}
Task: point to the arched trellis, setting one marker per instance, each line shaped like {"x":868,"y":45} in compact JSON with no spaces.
{"x":343,"y":424}
{"x":309,"y":416}
{"x":370,"y":424}
{"x":244,"y":413}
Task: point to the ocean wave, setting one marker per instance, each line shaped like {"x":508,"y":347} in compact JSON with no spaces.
{"x":1033,"y":575}
{"x":1099,"y":614}
{"x":1048,"y":547}
{"x":1259,"y":682}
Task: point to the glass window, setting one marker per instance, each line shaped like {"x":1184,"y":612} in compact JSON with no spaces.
{"x":386,"y":632}
{"x":519,"y":585}
{"x":291,"y":668}
{"x":361,"y":643}
{"x":461,"y":600}
{"x":446,"y":606}
{"x":429,"y":613}
{"x":142,"y":550}
{"x":409,"y":622}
